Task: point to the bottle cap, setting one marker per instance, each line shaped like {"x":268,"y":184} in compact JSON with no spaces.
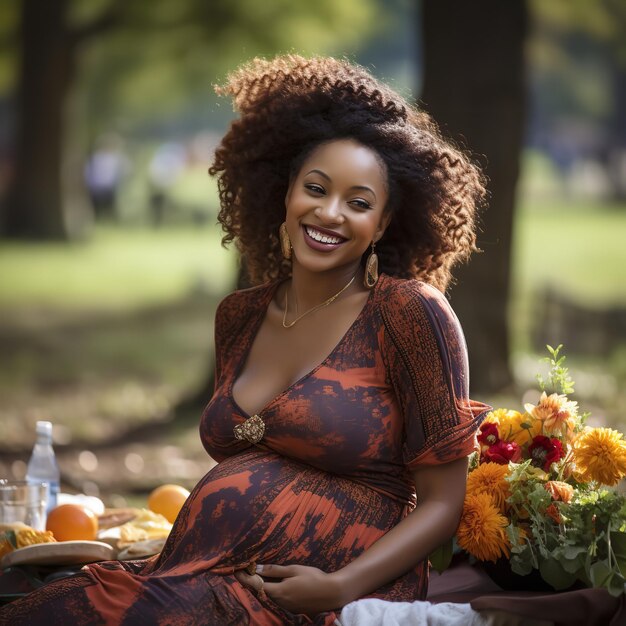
{"x":44,"y":428}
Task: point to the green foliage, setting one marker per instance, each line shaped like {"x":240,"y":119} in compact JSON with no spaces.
{"x":162,"y":57}
{"x":602,"y":20}
{"x":588,"y":545}
{"x":441,"y":558}
{"x":529,"y":499}
{"x":559,"y":380}
{"x":576,"y":48}
{"x":9,"y":22}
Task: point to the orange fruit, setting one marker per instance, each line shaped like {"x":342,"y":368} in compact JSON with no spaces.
{"x":71,"y":522}
{"x":167,"y":500}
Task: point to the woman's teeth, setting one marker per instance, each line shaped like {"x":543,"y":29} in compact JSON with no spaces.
{"x":322,"y":238}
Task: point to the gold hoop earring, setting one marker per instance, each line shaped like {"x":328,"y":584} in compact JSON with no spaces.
{"x":371,"y":268}
{"x":285,"y":242}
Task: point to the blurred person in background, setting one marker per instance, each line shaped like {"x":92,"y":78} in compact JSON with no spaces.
{"x":165,"y":168}
{"x":105,"y":170}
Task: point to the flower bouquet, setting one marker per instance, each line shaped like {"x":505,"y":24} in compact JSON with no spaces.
{"x":537,"y":494}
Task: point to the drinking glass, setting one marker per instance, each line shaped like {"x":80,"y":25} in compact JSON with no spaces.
{"x":23,"y":502}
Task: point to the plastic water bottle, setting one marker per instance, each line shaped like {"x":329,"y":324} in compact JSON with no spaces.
{"x":42,"y":467}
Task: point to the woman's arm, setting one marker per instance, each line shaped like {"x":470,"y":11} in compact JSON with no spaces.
{"x":441,"y":490}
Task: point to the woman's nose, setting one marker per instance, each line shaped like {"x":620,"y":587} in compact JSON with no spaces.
{"x":330,"y":212}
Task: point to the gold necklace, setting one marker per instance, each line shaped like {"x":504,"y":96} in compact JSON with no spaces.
{"x":315,"y":308}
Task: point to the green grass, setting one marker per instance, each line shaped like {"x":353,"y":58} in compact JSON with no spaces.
{"x":577,"y":249}
{"x":117,"y":269}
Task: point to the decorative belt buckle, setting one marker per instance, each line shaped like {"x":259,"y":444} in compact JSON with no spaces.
{"x":251,"y":430}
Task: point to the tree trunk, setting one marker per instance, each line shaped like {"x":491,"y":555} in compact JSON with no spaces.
{"x":474,"y":86}
{"x":616,"y":152}
{"x":33,"y":206}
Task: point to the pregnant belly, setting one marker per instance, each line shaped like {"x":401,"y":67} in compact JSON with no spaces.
{"x":260,"y":506}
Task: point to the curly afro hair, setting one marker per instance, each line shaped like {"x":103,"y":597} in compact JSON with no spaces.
{"x":288,"y":106}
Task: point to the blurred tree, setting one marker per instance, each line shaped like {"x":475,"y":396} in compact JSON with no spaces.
{"x":578,"y":70}
{"x":474,"y":88}
{"x":141,"y":43}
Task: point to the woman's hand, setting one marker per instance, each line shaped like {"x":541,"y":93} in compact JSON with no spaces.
{"x":302,"y":589}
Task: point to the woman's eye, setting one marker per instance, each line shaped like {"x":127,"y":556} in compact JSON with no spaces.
{"x":362,"y":204}
{"x":314,"y":188}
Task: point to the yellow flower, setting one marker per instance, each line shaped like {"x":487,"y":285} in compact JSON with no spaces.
{"x":490,"y":478}
{"x":556,"y":412}
{"x":482,"y":530}
{"x":600,"y":455}
{"x":494,"y":416}
{"x":519,"y":428}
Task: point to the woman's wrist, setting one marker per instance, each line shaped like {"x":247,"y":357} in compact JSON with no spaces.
{"x":343,"y":589}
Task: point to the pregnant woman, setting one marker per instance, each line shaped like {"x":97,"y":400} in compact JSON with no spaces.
{"x":340,"y":420}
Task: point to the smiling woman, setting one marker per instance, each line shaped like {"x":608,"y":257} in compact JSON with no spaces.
{"x":340,"y":419}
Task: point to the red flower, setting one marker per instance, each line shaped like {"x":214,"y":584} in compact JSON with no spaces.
{"x":544,"y":451}
{"x":502,"y":452}
{"x":488,"y":435}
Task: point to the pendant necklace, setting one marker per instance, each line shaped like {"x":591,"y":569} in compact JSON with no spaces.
{"x":315,"y":308}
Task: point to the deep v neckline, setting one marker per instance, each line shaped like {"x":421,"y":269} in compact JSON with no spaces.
{"x":251,"y":336}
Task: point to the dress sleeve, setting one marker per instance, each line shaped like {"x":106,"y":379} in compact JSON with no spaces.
{"x":231,"y":314}
{"x":426,"y":359}
{"x":220,"y":334}
{"x":231,"y":317}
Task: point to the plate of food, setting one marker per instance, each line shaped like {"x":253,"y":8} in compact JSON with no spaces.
{"x":142,"y":536}
{"x":59,"y":553}
{"x":125,"y":534}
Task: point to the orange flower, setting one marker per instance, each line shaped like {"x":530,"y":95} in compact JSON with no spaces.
{"x":556,"y":412}
{"x":482,"y":529}
{"x":524,"y":533}
{"x":553,"y":512}
{"x":559,"y":490}
{"x":600,"y":455}
{"x":490,"y":478}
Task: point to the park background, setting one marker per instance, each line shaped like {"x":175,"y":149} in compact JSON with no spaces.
{"x":110,"y":259}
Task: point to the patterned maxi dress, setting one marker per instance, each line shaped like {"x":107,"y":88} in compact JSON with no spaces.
{"x":329,"y":477}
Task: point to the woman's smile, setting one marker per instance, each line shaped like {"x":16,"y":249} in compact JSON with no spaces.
{"x":321,"y":239}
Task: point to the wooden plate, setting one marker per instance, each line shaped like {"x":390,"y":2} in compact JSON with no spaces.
{"x":60,"y":553}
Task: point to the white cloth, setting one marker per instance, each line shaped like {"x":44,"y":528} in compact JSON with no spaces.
{"x":374,"y":612}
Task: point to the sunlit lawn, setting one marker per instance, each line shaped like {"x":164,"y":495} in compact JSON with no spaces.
{"x":577,"y":249}
{"x":117,"y":269}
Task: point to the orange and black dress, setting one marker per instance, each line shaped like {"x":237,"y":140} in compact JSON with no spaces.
{"x":329,"y":476}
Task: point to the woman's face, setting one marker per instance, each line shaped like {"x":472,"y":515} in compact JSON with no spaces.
{"x":335,"y":206}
